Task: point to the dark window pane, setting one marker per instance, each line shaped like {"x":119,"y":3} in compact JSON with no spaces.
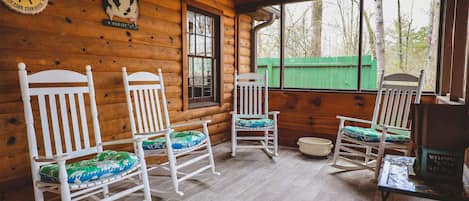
{"x":201,"y":57}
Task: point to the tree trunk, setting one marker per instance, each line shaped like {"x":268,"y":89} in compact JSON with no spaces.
{"x":380,"y":54}
{"x":399,"y":31}
{"x":316,"y":16}
{"x":371,"y":35}
{"x":433,"y":30}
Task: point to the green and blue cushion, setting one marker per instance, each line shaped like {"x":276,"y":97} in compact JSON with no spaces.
{"x":104,"y":164}
{"x":373,"y":135}
{"x":254,"y":123}
{"x":180,"y":140}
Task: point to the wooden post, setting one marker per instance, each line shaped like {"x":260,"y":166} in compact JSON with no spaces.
{"x":459,"y":50}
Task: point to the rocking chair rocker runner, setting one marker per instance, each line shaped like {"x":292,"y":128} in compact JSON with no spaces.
{"x":149,"y":118}
{"x":389,"y":128}
{"x":68,"y":121}
{"x":252,"y":114}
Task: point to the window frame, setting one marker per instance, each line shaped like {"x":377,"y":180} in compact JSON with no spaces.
{"x":359,"y":60}
{"x":218,"y":69}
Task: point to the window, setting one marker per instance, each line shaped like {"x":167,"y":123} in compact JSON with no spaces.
{"x":203,"y":53}
{"x":268,"y":51}
{"x":411,"y":35}
{"x":339,"y":44}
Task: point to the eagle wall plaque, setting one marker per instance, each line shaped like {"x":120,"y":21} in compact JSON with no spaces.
{"x":26,"y":6}
{"x":126,"y":9}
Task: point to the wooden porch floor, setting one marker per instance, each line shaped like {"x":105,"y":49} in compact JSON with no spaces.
{"x":251,"y":175}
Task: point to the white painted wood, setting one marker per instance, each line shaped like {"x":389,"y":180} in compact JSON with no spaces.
{"x":45,"y":125}
{"x":55,"y":125}
{"x":144,"y":114}
{"x":153,"y":110}
{"x":62,"y":135}
{"x":402,"y":104}
{"x":253,"y":99}
{"x":84,"y":123}
{"x":58,"y":90}
{"x":137,"y":110}
{"x":75,"y":124}
{"x":160,"y":119}
{"x":65,"y":126}
{"x":402,"y":77}
{"x":392,"y":108}
{"x":250,"y":76}
{"x":149,"y":107}
{"x":148,"y":111}
{"x":57,"y":76}
{"x":241,"y":102}
{"x":143,"y":76}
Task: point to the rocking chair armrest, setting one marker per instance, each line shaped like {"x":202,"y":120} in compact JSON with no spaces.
{"x":273,"y":113}
{"x":233,"y":113}
{"x":190,"y":123}
{"x":387,"y":127}
{"x":52,"y":159}
{"x":121,"y":141}
{"x":143,"y":136}
{"x":354,"y":119}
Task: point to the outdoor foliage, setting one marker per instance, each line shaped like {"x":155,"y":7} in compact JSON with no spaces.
{"x":402,"y":36}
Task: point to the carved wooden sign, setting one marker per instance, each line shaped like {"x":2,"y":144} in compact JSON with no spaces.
{"x":26,"y":6}
{"x":125,"y":9}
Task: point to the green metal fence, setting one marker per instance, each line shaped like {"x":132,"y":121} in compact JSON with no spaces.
{"x":321,"y":72}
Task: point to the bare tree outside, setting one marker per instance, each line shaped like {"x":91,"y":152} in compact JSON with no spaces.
{"x":398,"y":36}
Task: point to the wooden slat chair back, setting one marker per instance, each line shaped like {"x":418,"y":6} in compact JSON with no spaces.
{"x":253,"y":95}
{"x":64,"y":131}
{"x":147,"y":103}
{"x":251,"y":102}
{"x":395,"y":96}
{"x":391,"y":118}
{"x":149,"y":119}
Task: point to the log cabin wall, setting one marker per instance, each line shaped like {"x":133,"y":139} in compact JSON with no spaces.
{"x":306,"y":113}
{"x":69,"y":35}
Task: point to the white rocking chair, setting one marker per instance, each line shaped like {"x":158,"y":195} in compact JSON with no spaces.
{"x":48,"y":163}
{"x":252,"y":114}
{"x":149,"y":118}
{"x":390,"y":128}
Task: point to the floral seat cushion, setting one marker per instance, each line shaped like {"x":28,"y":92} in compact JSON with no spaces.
{"x":254,"y":123}
{"x":372,"y":135}
{"x":104,"y":164}
{"x":180,"y":140}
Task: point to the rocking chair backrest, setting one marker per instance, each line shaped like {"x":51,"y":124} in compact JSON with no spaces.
{"x":143,"y":91}
{"x":67,"y":119}
{"x":395,"y":95}
{"x":252,"y":89}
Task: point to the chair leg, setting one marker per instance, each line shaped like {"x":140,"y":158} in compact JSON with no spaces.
{"x":233,"y":140}
{"x":105,"y":191}
{"x":275,"y":141}
{"x":209,"y":150}
{"x":368,"y":152}
{"x":338,"y":142}
{"x":38,"y":194}
{"x":64,"y":187}
{"x":144,"y":173}
{"x":172,"y":168}
{"x":379,"y":160}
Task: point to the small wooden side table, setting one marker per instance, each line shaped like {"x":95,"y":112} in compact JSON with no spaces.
{"x":394,"y":178}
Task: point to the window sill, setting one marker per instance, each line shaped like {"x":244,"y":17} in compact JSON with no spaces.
{"x":446,"y":100}
{"x":203,"y":105}
{"x":345,"y":91}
